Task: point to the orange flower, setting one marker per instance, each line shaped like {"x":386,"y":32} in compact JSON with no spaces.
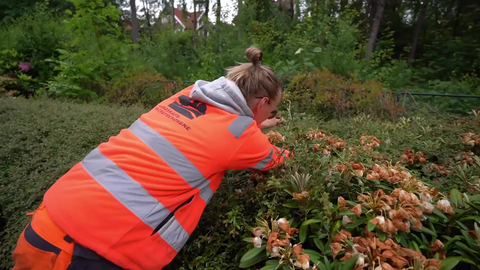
{"x":297,"y":249}
{"x":417,"y":223}
{"x":275,"y":137}
{"x":399,"y":261}
{"x":427,"y":207}
{"x":444,"y":206}
{"x":357,"y":210}
{"x":342,"y":236}
{"x":471,"y":139}
{"x":258,"y":231}
{"x":389,"y":200}
{"x":303,"y":261}
{"x":409,"y":253}
{"x":284,"y":225}
{"x":346,"y":257}
{"x":369,"y":142}
{"x":388,"y":254}
{"x":341,"y":201}
{"x":312,"y":134}
{"x":336,"y":248}
{"x":384,"y":266}
{"x":361,"y":249}
{"x":437,"y":246}
{"x":257,"y":241}
{"x":401,"y":225}
{"x":434,"y":263}
{"x":346,"y":220}
{"x":301,"y":196}
{"x":373,"y":176}
{"x":272,"y":240}
{"x":283,"y":242}
{"x":358,"y":168}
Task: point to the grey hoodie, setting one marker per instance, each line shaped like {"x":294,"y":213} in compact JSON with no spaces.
{"x":221,"y":93}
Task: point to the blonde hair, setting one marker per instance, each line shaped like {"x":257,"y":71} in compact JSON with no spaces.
{"x":255,"y":79}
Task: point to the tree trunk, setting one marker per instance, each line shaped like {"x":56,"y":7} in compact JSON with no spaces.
{"x":173,"y":13}
{"x":194,"y":23}
{"x":207,"y":5}
{"x":134,"y":22}
{"x":343,"y":4}
{"x":456,"y":22}
{"x":374,"y":30}
{"x":147,"y":17}
{"x":239,"y":10}
{"x":218,"y":11}
{"x":297,"y":9}
{"x":418,"y":30}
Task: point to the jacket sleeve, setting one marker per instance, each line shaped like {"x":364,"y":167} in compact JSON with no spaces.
{"x":257,"y":153}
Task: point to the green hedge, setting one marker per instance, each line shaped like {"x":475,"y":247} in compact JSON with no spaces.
{"x":40,"y":141}
{"x":43,"y":139}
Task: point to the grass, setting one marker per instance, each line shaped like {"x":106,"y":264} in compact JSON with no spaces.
{"x":43,"y":139}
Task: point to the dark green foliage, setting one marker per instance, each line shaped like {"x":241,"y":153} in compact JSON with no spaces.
{"x":43,"y":139}
{"x":40,"y":141}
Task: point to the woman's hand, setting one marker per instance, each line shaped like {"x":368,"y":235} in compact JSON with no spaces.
{"x":269,"y":123}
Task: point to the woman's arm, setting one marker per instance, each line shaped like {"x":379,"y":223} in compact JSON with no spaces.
{"x":269,"y":123}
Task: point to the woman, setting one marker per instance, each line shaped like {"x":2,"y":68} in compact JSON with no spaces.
{"x":133,"y":202}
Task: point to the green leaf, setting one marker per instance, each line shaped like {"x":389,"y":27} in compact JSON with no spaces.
{"x":346,"y":213}
{"x":467,"y":249}
{"x":433,"y":218}
{"x":451,"y":242}
{"x":247,"y":239}
{"x":461,"y":225}
{"x":271,"y":262}
{"x":253,"y":256}
{"x":463,"y":259}
{"x":321,"y":265}
{"x":456,"y":197}
{"x":449,"y":263}
{"x":371,"y":226}
{"x":327,"y":263}
{"x":468,"y":238}
{"x":350,"y":263}
{"x":427,"y":231}
{"x":440,"y":214}
{"x":474,"y":218}
{"x":319,"y":244}
{"x":473,"y":206}
{"x":291,"y":204}
{"x":337,"y":226}
{"x":271,"y":266}
{"x":303,"y":233}
{"x":381,"y":235}
{"x":317,"y":50}
{"x":398,"y":237}
{"x":415,"y":246}
{"x":475,"y":198}
{"x":356,"y":223}
{"x":314,"y":255}
{"x":323,"y":235}
{"x":311,"y":221}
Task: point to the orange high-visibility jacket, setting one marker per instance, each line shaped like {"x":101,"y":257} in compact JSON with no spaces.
{"x":137,"y":198}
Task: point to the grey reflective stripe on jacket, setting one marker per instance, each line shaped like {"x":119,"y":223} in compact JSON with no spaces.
{"x":135,"y":197}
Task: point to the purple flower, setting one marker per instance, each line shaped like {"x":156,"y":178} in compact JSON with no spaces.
{"x":24,"y":66}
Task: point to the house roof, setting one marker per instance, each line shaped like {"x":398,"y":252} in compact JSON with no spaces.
{"x":188,"y":21}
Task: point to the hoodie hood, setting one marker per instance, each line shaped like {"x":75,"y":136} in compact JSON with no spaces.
{"x":221,"y":93}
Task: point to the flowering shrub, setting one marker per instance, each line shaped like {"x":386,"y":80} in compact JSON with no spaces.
{"x":367,"y":212}
{"x":326,"y":91}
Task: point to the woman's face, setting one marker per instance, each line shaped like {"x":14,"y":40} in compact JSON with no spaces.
{"x":264,"y":107}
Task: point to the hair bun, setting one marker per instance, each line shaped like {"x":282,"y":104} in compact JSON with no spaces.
{"x":254,"y":54}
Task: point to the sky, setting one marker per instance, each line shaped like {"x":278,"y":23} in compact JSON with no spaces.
{"x":228,"y":9}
